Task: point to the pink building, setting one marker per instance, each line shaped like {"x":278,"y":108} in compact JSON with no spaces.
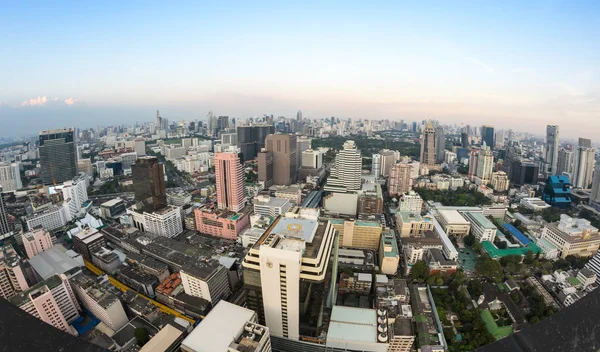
{"x":230,"y":181}
{"x":12,"y":279}
{"x":36,"y":241}
{"x":221,"y":223}
{"x":51,"y":301}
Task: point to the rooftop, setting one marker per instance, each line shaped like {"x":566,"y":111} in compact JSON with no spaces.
{"x":495,"y":252}
{"x":163,"y":340}
{"x":95,"y":290}
{"x":480,"y":219}
{"x":219,"y":329}
{"x":354,"y":324}
{"x":453,"y":217}
{"x":53,"y":261}
{"x":409,"y":217}
{"x":23,"y":297}
{"x":298,"y":228}
{"x":403,"y":327}
{"x":111,"y":203}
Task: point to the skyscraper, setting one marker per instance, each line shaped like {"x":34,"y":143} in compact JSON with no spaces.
{"x":345,"y":174}
{"x":388,"y":158}
{"x":229,"y":176}
{"x":428,"y":145}
{"x":552,"y":146}
{"x":376,"y":165}
{"x":149,"y":183}
{"x":565,"y":162}
{"x":265,"y":168}
{"x":12,"y":279}
{"x":464,"y":139}
{"x":595,"y":194}
{"x":400,"y":180}
{"x":251,"y":139}
{"x":499,"y":140}
{"x":481,"y":166}
{"x":583,"y":165}
{"x":58,"y":155}
{"x":585,"y":142}
{"x":5,"y":230}
{"x":299,"y":115}
{"x":286,"y":275}
{"x":440,"y":144}
{"x":283,"y":147}
{"x":487,"y":135}
{"x":10,"y":176}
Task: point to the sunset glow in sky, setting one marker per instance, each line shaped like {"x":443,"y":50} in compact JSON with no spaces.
{"x":511,"y":64}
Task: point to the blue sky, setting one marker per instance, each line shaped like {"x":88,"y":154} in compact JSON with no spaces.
{"x":512,"y":64}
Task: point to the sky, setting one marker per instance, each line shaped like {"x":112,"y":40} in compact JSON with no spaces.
{"x":510,"y":64}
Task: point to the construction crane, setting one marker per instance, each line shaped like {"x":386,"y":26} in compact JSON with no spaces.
{"x":52,"y":174}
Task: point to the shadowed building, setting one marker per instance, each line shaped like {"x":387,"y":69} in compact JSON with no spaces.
{"x":149,"y":183}
{"x":58,"y":155}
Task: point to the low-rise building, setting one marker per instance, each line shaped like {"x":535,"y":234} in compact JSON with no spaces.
{"x":113,"y":208}
{"x":167,"y":222}
{"x":228,"y":328}
{"x":106,"y":260}
{"x":402,"y":336}
{"x":389,"y":256}
{"x":357,"y":283}
{"x":411,"y":225}
{"x":533,"y":203}
{"x":453,"y":223}
{"x":369,"y":329}
{"x":358,"y":234}
{"x":50,"y":218}
{"x":572,"y":236}
{"x":482,"y":228}
{"x":270,"y":206}
{"x":438,"y":263}
{"x":88,"y":241}
{"x":221,"y":222}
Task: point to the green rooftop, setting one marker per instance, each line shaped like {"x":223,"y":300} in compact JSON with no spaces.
{"x":499,"y":332}
{"x":388,"y":238}
{"x":481,"y":220}
{"x":574,"y":281}
{"x":495,"y":252}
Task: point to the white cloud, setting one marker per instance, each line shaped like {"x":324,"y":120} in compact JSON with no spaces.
{"x":39,"y":101}
{"x":71,"y":101}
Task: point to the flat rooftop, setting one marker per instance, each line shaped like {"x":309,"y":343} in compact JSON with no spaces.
{"x":408,"y":217}
{"x":163,"y":340}
{"x":480,"y":219}
{"x":52,"y":262}
{"x":219,"y":329}
{"x":355,"y":324}
{"x":453,"y":217}
{"x":303,"y":229}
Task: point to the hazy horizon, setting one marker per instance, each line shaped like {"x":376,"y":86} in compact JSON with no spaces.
{"x":511,"y":64}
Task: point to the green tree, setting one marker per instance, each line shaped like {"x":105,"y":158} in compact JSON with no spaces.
{"x":420,"y":271}
{"x":528,"y":258}
{"x":469,"y":240}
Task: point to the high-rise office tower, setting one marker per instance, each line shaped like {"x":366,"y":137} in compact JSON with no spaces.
{"x":552,"y":146}
{"x":265,"y":168}
{"x":440,"y":144}
{"x":75,"y":193}
{"x":376,"y":165}
{"x":10,"y":176}
{"x":287,"y":275}
{"x":5,"y":229}
{"x":487,"y":135}
{"x":312,"y":159}
{"x":388,"y":159}
{"x":565,"y":162}
{"x":12,"y":279}
{"x":58,"y":155}
{"x":428,"y":145}
{"x":229,"y":176}
{"x":345,"y":174}
{"x":583,"y":165}
{"x":149,"y":183}
{"x":595,"y":194}
{"x":299,"y":115}
{"x":158,"y":123}
{"x":481,"y":166}
{"x":302,"y":144}
{"x":401,"y":178}
{"x":285,"y":160}
{"x":51,"y":301}
{"x":499,"y":140}
{"x":251,"y":139}
{"x":464,"y":139}
{"x":585,"y":142}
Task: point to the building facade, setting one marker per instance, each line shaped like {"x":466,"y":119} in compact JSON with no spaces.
{"x":552,"y":146}
{"x":36,"y":240}
{"x":149,"y":183}
{"x":346,"y":173}
{"x":58,"y":155}
{"x":12,"y":277}
{"x":229,"y":180}
{"x":285,"y":167}
{"x":572,"y":236}
{"x":99,"y":301}
{"x":428,"y":145}
{"x":10,"y":176}
{"x":265,"y":168}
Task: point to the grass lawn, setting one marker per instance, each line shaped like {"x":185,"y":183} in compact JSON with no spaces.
{"x":499,"y":332}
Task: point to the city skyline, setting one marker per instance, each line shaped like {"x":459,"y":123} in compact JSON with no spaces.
{"x":459,"y":63}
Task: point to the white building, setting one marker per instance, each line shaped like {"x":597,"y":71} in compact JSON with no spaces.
{"x":75,"y":193}
{"x":52,"y":301}
{"x":36,"y":240}
{"x":294,"y":253}
{"x":230,"y":328}
{"x":312,"y":159}
{"x":535,"y":204}
{"x":481,"y":166}
{"x":410,"y":203}
{"x":449,"y":156}
{"x":572,"y":236}
{"x":207,"y":281}
{"x":10,"y":176}
{"x":583,"y":165}
{"x":164,"y":222}
{"x":97,"y":299}
{"x":270,"y":206}
{"x":345,"y":174}
{"x":51,"y":218}
{"x":500,"y":181}
{"x":453,"y":223}
{"x":481,"y":227}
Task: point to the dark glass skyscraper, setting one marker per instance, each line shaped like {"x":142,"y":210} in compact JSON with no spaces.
{"x":149,"y":183}
{"x":487,"y":136}
{"x":5,"y":229}
{"x":58,"y":155}
{"x":251,"y":139}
